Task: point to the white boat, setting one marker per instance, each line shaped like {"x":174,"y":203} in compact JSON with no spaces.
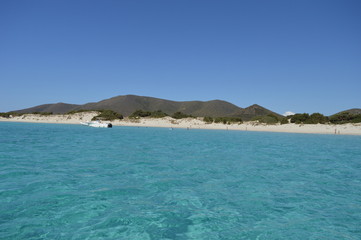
{"x":97,"y":124}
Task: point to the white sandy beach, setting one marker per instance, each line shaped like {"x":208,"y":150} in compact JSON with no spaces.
{"x":193,"y":123}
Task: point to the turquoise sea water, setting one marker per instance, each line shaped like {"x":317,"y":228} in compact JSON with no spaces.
{"x":75,"y":182}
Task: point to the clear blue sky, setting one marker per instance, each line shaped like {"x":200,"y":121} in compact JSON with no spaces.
{"x":299,"y":56}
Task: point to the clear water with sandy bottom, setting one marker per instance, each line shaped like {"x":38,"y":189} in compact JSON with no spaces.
{"x":76,"y":182}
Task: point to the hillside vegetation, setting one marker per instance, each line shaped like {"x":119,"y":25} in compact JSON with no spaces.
{"x":128,"y":104}
{"x":213,"y":111}
{"x":315,"y":118}
{"x":108,"y":115}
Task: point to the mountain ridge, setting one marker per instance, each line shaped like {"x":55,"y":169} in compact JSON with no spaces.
{"x":127,"y":104}
{"x":352,"y":111}
{"x":57,"y":108}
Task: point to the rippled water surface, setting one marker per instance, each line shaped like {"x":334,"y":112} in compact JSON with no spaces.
{"x":75,"y":182}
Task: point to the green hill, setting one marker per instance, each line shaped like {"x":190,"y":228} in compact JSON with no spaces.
{"x":128,"y":104}
{"x":353,"y":111}
{"x":56,"y":108}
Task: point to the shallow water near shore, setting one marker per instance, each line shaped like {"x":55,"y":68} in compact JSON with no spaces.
{"x":76,"y":182}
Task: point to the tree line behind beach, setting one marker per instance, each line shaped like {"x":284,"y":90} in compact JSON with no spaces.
{"x":299,"y":118}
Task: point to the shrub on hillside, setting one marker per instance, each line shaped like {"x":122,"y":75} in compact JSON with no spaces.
{"x":10,"y":114}
{"x":208,"y":119}
{"x":356,"y":118}
{"x":5,"y":114}
{"x":234,"y":120}
{"x":43,"y":113}
{"x":158,"y":114}
{"x":80,"y":111}
{"x":305,"y":118}
{"x":284,"y":120}
{"x":316,"y":118}
{"x":345,"y":117}
{"x":140,"y":113}
{"x":108,"y":115}
{"x":299,"y":118}
{"x":228,"y":120}
{"x":268,"y":119}
{"x":180,"y":115}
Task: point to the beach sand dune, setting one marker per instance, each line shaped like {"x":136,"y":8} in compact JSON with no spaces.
{"x":193,"y":123}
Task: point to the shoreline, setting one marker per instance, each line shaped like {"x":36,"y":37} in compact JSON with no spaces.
{"x":193,"y":123}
